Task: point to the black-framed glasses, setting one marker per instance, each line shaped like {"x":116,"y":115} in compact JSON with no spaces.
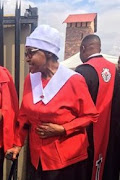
{"x":30,"y":52}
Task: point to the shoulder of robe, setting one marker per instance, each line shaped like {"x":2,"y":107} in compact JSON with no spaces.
{"x":4,"y":75}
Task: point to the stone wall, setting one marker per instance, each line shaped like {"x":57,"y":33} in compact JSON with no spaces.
{"x":74,"y":35}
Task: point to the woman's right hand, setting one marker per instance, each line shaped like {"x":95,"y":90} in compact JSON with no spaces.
{"x":14,"y":151}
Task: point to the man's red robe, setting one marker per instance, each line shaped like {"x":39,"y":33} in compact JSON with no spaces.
{"x":106,"y":74}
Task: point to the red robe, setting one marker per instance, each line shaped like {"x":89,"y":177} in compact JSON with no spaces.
{"x":8,"y":107}
{"x":106,"y":74}
{"x":71,"y":107}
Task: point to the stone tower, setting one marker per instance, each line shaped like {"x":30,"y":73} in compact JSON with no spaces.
{"x":78,"y":26}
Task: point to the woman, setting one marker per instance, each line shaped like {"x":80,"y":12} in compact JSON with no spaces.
{"x":57,"y":106}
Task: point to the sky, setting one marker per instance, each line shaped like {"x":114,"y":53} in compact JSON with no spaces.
{"x":54,"y":12}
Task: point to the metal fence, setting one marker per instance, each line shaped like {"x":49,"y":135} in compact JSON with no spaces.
{"x":18,"y":23}
{"x":30,"y":17}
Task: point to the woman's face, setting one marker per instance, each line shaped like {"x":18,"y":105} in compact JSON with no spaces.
{"x":36,"y":59}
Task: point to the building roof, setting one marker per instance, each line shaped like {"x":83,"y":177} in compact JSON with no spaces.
{"x":80,"y":18}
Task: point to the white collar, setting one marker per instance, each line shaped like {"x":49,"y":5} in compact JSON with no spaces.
{"x":93,"y":55}
{"x":52,"y":88}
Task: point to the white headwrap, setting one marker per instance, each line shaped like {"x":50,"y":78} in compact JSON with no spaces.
{"x":46,"y":38}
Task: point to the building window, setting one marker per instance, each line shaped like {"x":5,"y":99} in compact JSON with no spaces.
{"x":69,"y":25}
{"x":79,"y":24}
{"x":84,"y":24}
{"x":88,"y":24}
{"x":73,"y":24}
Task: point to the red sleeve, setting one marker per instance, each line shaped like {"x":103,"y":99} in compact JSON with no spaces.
{"x":85,"y":108}
{"x":22,"y":125}
{"x":21,"y":131}
{"x":9,"y":108}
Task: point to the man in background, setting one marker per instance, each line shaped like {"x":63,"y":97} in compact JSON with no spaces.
{"x":103,"y":84}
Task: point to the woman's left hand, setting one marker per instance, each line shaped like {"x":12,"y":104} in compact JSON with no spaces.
{"x":46,"y":130}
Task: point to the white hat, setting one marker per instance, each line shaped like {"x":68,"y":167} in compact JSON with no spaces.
{"x":46,"y":38}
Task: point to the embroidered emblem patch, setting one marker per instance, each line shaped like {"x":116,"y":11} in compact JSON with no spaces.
{"x":106,"y":75}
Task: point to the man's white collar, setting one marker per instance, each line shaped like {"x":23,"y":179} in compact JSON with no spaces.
{"x":93,"y":55}
{"x":52,"y":88}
